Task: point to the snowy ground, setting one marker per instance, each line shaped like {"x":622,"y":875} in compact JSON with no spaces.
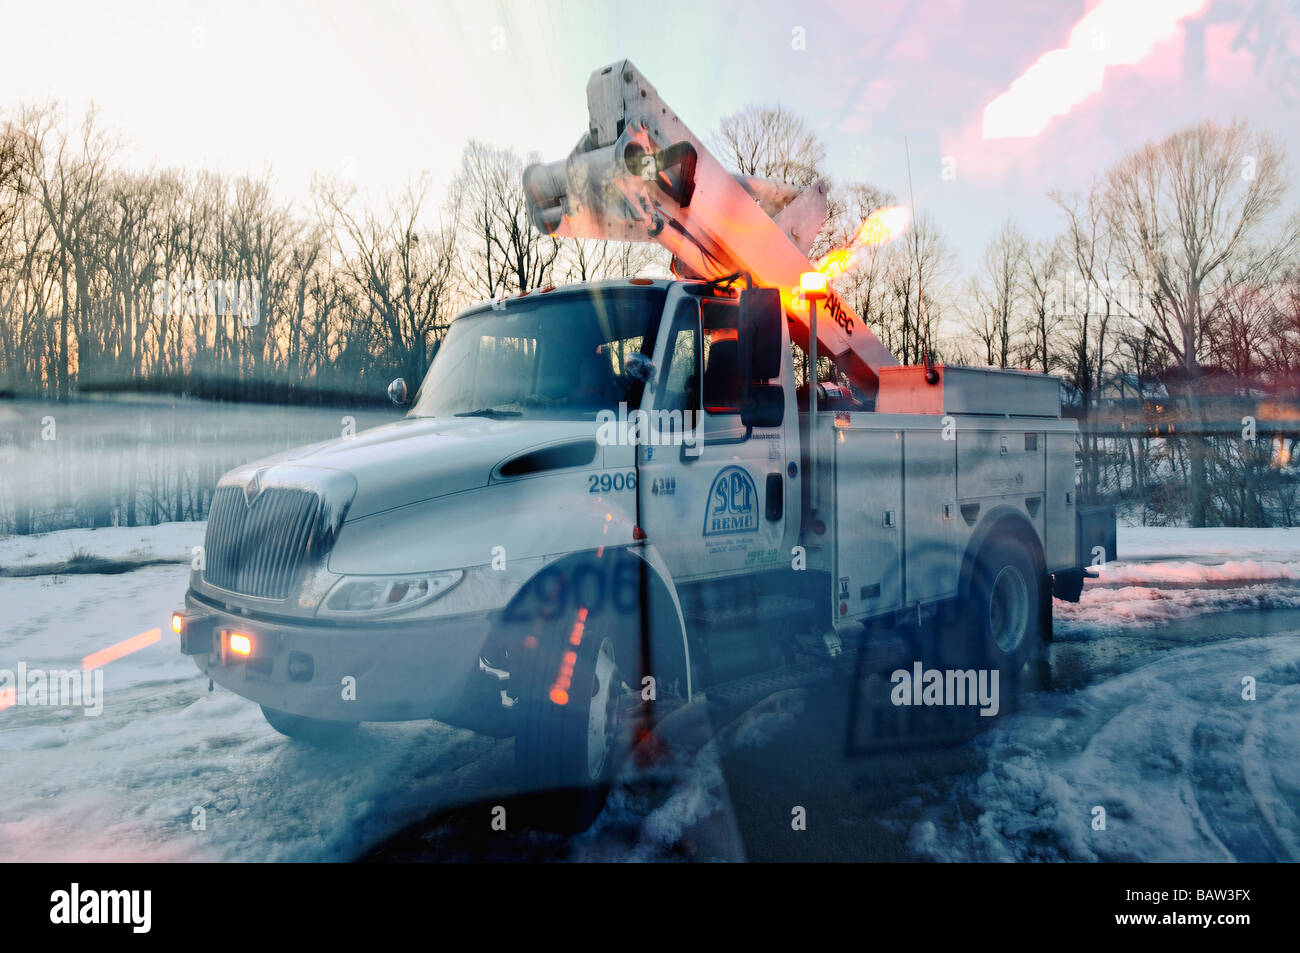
{"x":1145,"y":719}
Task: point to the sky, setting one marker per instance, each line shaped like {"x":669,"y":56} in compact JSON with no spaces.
{"x":380,"y":92}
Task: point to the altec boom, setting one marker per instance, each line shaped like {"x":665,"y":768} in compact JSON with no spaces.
{"x":638,"y":174}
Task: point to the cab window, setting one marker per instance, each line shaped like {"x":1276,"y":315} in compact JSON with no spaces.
{"x":724,"y":384}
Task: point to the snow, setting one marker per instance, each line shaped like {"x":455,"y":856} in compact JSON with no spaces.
{"x":698,"y":795}
{"x":125,"y":785}
{"x":1189,"y":573}
{"x":1149,"y":542}
{"x":1219,"y":570}
{"x":172,"y":541}
{"x":1129,"y":607}
{"x":1184,"y":766}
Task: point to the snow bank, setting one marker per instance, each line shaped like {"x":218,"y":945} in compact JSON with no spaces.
{"x":1102,"y":609}
{"x":164,"y":541}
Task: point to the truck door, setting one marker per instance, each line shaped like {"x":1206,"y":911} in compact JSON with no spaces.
{"x":715,"y":503}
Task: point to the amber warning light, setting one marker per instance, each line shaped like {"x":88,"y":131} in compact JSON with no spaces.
{"x":812,"y":284}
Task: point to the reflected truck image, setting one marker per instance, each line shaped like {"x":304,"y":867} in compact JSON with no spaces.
{"x":608,"y":499}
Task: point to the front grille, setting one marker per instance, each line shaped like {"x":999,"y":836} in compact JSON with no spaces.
{"x":257,"y":550}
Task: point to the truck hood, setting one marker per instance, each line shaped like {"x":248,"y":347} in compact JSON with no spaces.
{"x":419,"y":458}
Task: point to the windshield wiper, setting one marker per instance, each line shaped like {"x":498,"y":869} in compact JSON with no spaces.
{"x":489,"y":412}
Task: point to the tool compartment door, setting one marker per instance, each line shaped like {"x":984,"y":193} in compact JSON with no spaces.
{"x":1007,"y":462}
{"x":1061,"y":502}
{"x":868,"y":522}
{"x":932,"y":559}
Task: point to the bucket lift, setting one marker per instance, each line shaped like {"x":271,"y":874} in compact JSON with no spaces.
{"x":638,"y":174}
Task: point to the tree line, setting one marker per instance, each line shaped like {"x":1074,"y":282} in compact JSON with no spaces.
{"x":1174,"y":281}
{"x":1176,"y":270}
{"x":117,"y":277}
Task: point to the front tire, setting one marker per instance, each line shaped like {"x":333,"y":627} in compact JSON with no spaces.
{"x":573,"y":728}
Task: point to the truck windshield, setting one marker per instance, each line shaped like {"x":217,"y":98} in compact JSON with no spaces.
{"x":560,"y":355}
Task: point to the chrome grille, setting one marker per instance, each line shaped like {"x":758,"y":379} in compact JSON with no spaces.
{"x":257,"y":549}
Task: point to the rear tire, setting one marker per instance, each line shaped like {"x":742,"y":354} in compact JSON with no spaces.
{"x":313,"y":730}
{"x":1006,"y":599}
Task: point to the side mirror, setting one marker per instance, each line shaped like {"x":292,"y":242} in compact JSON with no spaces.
{"x":764,"y":406}
{"x":639,"y":367}
{"x":397,"y":392}
{"x":762,"y":324}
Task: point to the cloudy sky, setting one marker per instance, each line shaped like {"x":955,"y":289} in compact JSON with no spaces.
{"x":379,"y":91}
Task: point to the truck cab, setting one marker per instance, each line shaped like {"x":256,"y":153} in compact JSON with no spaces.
{"x":434,"y":567}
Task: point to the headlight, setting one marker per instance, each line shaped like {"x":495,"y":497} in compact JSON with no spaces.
{"x":382,"y":595}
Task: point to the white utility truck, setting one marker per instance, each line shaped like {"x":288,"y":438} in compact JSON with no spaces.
{"x":611,"y":498}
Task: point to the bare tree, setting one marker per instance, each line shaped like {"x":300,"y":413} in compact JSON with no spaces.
{"x":403,"y":271}
{"x":997,"y":293}
{"x":770,"y":142}
{"x":916,"y":278}
{"x":1089,"y":302}
{"x":503,"y":252}
{"x":594,"y":259}
{"x":1041,"y":282}
{"x":21,"y":234}
{"x":68,"y":180}
{"x":1186,"y":213}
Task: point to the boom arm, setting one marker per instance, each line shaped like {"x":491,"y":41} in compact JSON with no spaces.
{"x":638,"y":174}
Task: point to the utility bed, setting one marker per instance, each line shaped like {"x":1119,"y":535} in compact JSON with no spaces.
{"x":898,"y":508}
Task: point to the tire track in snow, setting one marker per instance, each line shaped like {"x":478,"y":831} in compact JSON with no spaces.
{"x":1219,"y":781}
{"x":1183,"y":768}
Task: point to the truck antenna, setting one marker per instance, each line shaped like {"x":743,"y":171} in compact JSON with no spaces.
{"x":931,"y":375}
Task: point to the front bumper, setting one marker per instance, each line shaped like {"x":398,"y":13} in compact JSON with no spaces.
{"x":397,"y":672}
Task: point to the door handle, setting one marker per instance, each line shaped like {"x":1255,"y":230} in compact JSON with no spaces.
{"x":774,"y":505}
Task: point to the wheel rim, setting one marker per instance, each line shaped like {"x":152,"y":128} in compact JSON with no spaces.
{"x":1008,"y":609}
{"x":602,"y":714}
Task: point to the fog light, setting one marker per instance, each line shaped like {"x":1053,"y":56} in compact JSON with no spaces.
{"x":302,"y":667}
{"x":178,"y":623}
{"x":240,"y":644}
